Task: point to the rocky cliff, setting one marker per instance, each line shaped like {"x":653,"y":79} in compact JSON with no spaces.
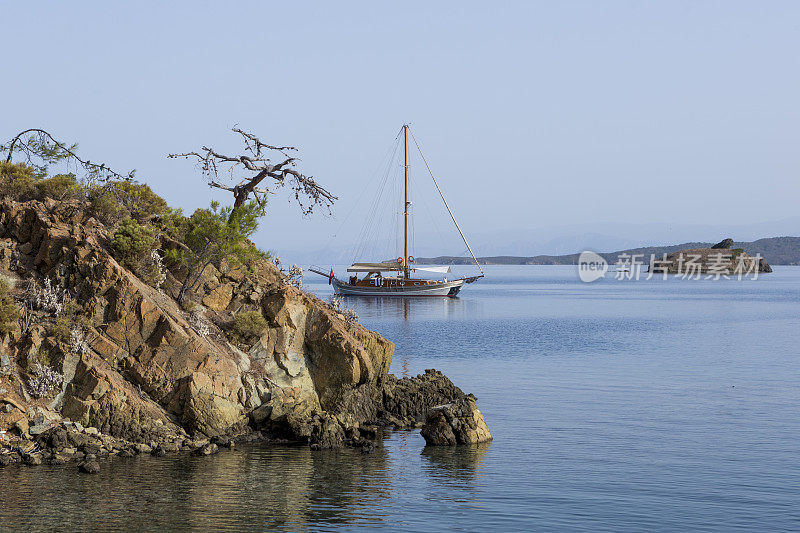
{"x":94,"y":346}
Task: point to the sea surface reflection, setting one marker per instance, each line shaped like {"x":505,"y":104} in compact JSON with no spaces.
{"x":615,"y":406}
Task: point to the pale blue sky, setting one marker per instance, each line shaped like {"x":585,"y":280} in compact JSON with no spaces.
{"x":534,"y":115}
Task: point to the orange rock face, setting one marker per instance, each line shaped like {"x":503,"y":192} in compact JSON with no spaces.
{"x":150,"y":367}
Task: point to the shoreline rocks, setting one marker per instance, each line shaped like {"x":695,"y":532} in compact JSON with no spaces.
{"x":65,"y":443}
{"x":406,"y":403}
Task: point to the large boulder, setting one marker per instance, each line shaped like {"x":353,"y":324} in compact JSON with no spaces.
{"x":308,"y":336}
{"x":459,"y":422}
{"x":408,"y":400}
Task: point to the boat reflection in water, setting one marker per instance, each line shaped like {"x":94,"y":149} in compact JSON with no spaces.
{"x":407,"y":308}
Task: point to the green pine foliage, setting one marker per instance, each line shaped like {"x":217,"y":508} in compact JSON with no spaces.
{"x":60,"y":329}
{"x":117,"y":200}
{"x":247,"y":327}
{"x":16,"y":180}
{"x":46,"y":151}
{"x":9,"y":314}
{"x":211,"y":235}
{"x":139,"y":200}
{"x":141,"y":218}
{"x":105,"y":206}
{"x":132,"y":243}
{"x":60,"y":187}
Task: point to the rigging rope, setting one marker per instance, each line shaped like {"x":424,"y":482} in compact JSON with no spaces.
{"x":445,"y":203}
{"x":430,"y":216}
{"x":371,"y":227}
{"x":390,"y":154}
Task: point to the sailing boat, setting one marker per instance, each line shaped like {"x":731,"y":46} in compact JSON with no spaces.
{"x":399,"y":280}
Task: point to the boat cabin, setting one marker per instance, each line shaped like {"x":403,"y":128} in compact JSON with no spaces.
{"x":376,"y":279}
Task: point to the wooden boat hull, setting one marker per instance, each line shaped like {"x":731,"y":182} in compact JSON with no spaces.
{"x":443,"y":288}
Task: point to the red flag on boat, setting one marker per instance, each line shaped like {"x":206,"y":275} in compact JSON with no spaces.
{"x":330,"y":277}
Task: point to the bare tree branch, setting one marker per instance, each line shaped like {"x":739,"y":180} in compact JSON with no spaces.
{"x":307,"y":192}
{"x":42,"y":146}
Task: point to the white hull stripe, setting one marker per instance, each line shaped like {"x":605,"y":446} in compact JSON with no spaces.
{"x":450,"y":288}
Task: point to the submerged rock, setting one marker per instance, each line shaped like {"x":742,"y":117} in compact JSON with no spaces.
{"x":89,"y":467}
{"x":59,"y":459}
{"x":459,"y":422}
{"x":223,"y":441}
{"x":206,"y":449}
{"x":33,"y":459}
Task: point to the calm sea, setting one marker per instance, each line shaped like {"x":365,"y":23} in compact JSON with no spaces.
{"x":615,"y":406}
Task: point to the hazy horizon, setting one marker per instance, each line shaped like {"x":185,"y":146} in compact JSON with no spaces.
{"x":562,"y":244}
{"x":637,"y":121}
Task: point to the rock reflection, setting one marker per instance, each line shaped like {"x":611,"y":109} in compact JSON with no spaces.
{"x":461,"y":465}
{"x":345,"y":488}
{"x":247,"y":488}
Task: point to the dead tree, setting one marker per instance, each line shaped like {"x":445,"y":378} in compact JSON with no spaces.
{"x":219,"y":170}
{"x":41,"y":149}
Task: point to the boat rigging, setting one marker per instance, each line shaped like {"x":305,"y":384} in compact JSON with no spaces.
{"x":399,"y":281}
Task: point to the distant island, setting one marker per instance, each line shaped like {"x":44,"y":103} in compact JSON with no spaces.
{"x":776,"y":251}
{"x":720,"y":259}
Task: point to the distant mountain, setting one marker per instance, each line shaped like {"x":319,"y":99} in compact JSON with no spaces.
{"x":776,"y":251}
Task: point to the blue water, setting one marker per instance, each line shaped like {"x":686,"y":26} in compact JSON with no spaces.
{"x":615,"y":406}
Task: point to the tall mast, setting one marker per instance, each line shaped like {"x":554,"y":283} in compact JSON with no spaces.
{"x":405,"y":205}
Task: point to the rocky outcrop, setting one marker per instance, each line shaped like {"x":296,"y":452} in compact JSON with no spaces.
{"x":147,"y":366}
{"x":718,"y":260}
{"x":406,"y":401}
{"x":138,"y":368}
{"x":459,"y":422}
{"x":724,"y":244}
